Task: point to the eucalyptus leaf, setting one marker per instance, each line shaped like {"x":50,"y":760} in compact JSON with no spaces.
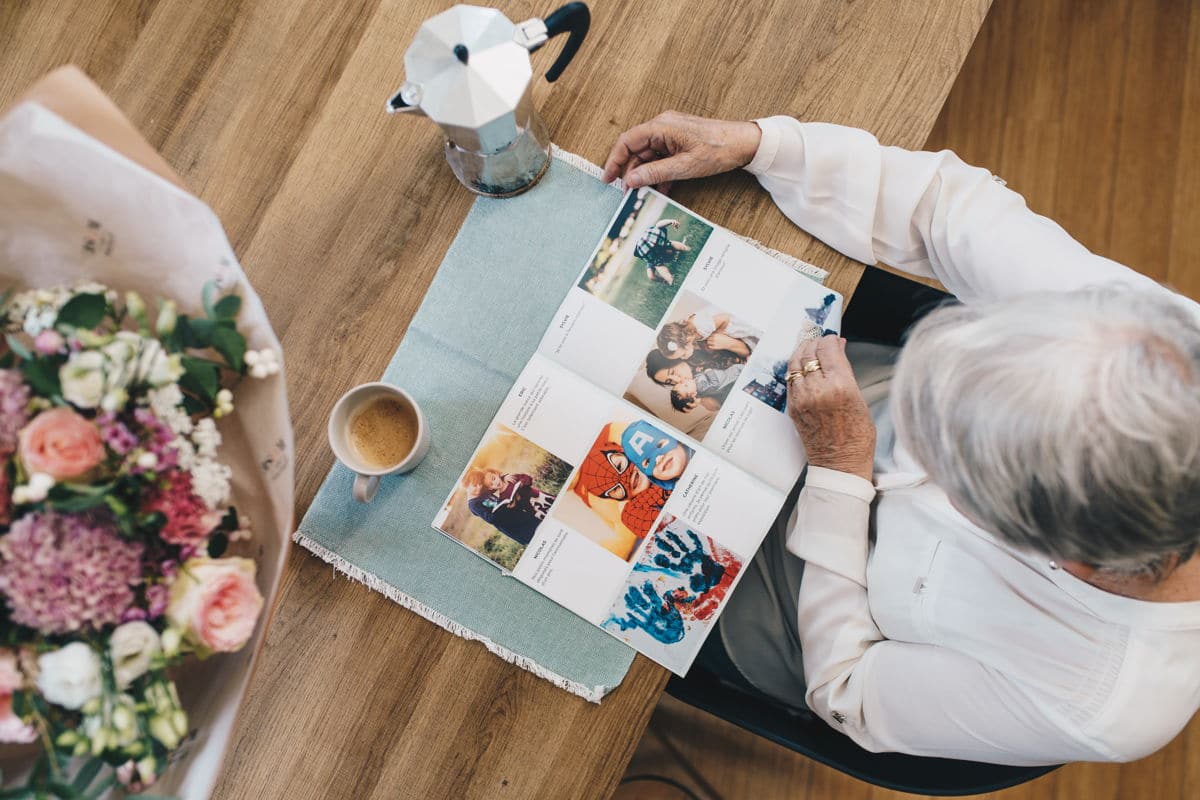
{"x":18,"y":347}
{"x":230,"y":344}
{"x":207,"y":295}
{"x":83,"y":311}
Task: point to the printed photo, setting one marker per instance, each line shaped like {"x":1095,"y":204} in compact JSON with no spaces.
{"x":645,"y":255}
{"x":768,"y":376}
{"x":623,"y":484}
{"x":697,"y":358}
{"x":673,"y":594}
{"x":503,"y":496}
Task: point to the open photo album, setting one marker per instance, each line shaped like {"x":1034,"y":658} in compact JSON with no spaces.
{"x":644,"y":451}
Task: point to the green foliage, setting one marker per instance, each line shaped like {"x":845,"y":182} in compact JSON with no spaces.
{"x":229,"y":343}
{"x":503,"y":550}
{"x":227,"y":307}
{"x":41,"y":373}
{"x":217,"y":331}
{"x":83,"y":311}
{"x":551,"y":474}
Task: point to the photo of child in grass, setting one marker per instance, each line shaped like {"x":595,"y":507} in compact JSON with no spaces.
{"x":648,"y":250}
{"x":699,"y":354}
{"x":623,"y":483}
{"x":503,"y":496}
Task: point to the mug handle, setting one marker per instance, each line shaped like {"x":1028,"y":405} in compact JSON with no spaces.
{"x":365,"y":487}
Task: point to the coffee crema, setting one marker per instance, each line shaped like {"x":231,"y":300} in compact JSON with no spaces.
{"x":383,"y":432}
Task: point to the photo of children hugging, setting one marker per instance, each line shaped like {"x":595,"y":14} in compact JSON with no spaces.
{"x":622,"y":485}
{"x":650,"y":247}
{"x":503,"y":496}
{"x":699,"y":354}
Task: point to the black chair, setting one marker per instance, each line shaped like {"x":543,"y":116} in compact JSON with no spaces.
{"x":811,"y":737}
{"x":883,"y":307}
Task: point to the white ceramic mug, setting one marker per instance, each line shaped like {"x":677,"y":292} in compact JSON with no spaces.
{"x":366,"y":482}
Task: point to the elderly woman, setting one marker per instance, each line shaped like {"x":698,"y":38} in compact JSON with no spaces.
{"x":997,"y":533}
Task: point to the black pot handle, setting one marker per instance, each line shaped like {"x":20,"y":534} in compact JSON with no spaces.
{"x":573,"y":18}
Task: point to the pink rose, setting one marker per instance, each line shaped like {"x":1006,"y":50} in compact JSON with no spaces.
{"x":12,"y":729}
{"x":61,"y":444}
{"x":215,"y":602}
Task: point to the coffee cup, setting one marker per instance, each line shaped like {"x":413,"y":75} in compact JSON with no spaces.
{"x":377,"y":429}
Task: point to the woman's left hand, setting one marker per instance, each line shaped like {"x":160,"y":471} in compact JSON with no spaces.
{"x":829,"y":410}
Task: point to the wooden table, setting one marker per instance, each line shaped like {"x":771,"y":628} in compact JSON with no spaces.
{"x":272,"y":111}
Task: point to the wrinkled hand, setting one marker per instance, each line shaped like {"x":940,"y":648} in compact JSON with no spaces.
{"x":829,"y":410}
{"x":675,"y":146}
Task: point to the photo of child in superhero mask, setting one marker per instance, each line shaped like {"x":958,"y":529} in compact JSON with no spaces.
{"x":623,"y":483}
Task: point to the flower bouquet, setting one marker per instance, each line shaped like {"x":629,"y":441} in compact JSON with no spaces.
{"x":149,"y":530}
{"x":115,"y":519}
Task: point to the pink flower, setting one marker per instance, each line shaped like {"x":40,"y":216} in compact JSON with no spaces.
{"x":61,"y":444}
{"x":14,"y":397}
{"x":49,"y":342}
{"x":63,"y":572}
{"x":5,"y":495}
{"x":12,"y":729}
{"x":215,"y":602}
{"x":188,"y":520}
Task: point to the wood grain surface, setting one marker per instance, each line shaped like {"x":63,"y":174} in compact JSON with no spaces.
{"x":272,"y":112}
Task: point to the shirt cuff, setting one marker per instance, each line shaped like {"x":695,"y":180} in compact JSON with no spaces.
{"x":837,"y":481}
{"x":768,"y":146}
{"x":832,"y":521}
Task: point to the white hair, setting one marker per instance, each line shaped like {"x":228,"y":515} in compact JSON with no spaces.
{"x":1066,"y":423}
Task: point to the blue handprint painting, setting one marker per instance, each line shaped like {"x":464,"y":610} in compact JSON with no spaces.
{"x":673,"y":594}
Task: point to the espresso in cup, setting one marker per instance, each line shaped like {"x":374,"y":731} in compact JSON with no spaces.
{"x":383,"y":432}
{"x":377,"y":429}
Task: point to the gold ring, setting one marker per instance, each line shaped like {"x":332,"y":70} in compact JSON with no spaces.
{"x":793,"y":375}
{"x":812,"y":365}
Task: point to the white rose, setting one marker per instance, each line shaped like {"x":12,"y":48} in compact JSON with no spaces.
{"x":69,"y":677}
{"x":157,"y":367}
{"x":131,"y":647}
{"x":167,"y":370}
{"x":121,"y":354}
{"x":82,"y":378}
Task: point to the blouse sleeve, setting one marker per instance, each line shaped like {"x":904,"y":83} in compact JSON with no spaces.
{"x":898,"y":696}
{"x":929,"y":214}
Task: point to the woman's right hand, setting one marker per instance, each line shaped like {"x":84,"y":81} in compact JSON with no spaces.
{"x":675,"y":146}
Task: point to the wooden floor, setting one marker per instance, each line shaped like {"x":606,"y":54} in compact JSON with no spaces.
{"x":1092,"y":111}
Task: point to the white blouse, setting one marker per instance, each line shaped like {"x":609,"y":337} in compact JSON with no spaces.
{"x":941,"y":640}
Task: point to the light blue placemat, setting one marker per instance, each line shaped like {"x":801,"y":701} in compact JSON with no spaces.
{"x":502,"y":279}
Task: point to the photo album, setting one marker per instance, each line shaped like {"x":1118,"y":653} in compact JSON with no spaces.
{"x":644,"y":451}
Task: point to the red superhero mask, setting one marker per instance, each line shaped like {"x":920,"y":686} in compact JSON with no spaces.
{"x":606,"y":472}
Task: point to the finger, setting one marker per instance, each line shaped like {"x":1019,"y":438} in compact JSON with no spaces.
{"x":832,"y":355}
{"x":806,"y":351}
{"x":639,"y":158}
{"x":628,"y":144}
{"x":667,"y":169}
